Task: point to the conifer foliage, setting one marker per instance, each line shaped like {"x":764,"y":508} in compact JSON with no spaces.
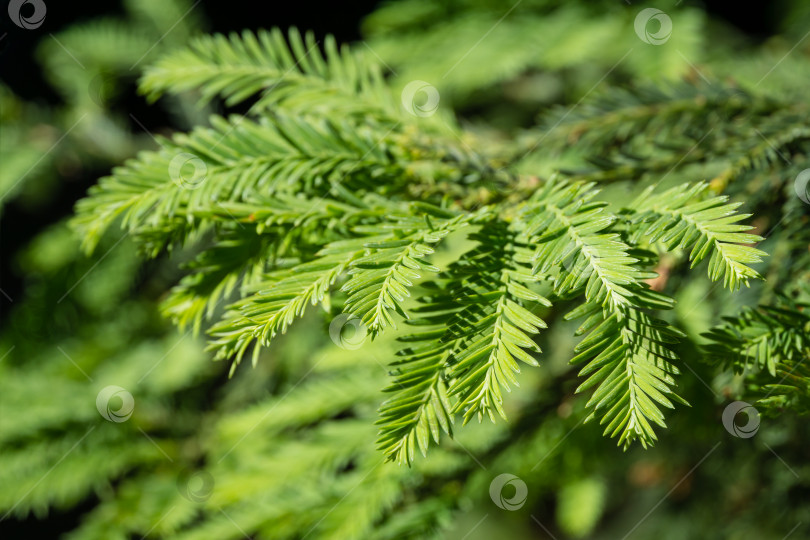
{"x":350,"y":204}
{"x":350,"y":290}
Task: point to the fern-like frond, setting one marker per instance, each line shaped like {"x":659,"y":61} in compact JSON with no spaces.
{"x":764,"y":337}
{"x":474,"y":328}
{"x":629,"y":365}
{"x":495,"y":328}
{"x":271,"y":305}
{"x":570,"y":233}
{"x":419,"y":407}
{"x":293,"y":74}
{"x":214,"y":275}
{"x":276,"y":303}
{"x":252,"y":238}
{"x":381,"y":278}
{"x":771,"y":346}
{"x":627,"y":353}
{"x":195,"y":173}
{"x":775,"y":136}
{"x":679,"y":221}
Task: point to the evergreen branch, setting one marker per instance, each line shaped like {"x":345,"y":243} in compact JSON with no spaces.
{"x":706,"y":226}
{"x":381,"y":278}
{"x":627,"y":352}
{"x":628,"y":360}
{"x":420,"y":406}
{"x":274,"y":232}
{"x":295,"y":76}
{"x":280,"y":299}
{"x":775,"y":136}
{"x":564,"y":224}
{"x":495,"y":327}
{"x":619,"y":114}
{"x":327,"y":183}
{"x":475,"y":328}
{"x":769,"y":344}
{"x":764,"y":337}
{"x":213,"y":276}
{"x":232,"y":161}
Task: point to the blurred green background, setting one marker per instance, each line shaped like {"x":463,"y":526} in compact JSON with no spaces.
{"x":204,"y":456}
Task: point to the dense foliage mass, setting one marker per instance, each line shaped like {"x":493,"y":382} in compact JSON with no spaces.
{"x":483,"y":229}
